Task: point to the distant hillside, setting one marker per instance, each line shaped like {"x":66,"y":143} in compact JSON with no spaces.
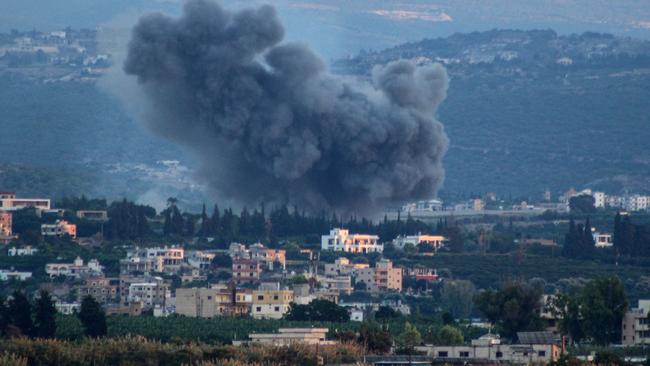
{"x":529,"y":110}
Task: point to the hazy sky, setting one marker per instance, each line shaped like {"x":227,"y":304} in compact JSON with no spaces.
{"x":340,"y":27}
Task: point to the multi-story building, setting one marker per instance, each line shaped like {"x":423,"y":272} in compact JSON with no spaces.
{"x":246,"y":270}
{"x":211,"y":302}
{"x":340,"y":240}
{"x":200,"y":259}
{"x":6,"y":220}
{"x":9,"y":202}
{"x":599,"y":199}
{"x":268,"y":256}
{"x":141,"y":265}
{"x":104,"y":290}
{"x":343,"y":267}
{"x":337,"y":284}
{"x":602,"y":240}
{"x":149,"y":293}
{"x":172,"y":257}
{"x":67,"y":308}
{"x":436,"y":241}
{"x":382,"y":277}
{"x":59,"y":228}
{"x":76,"y":269}
{"x":290,"y":336}
{"x":271,"y":303}
{"x":533,"y":348}
{"x":636,"y":325}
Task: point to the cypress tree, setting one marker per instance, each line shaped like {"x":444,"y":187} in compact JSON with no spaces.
{"x":92,"y":317}
{"x":20,"y":313}
{"x":44,"y":316}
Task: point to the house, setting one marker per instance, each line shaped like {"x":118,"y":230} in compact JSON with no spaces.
{"x":340,"y":240}
{"x":533,"y":348}
{"x":67,"y":308}
{"x":289,"y":336}
{"x":171,"y":257}
{"x":271,"y":303}
{"x":75,"y":269}
{"x":636,"y":325}
{"x":199,"y":259}
{"x":602,"y":240}
{"x":9,"y":202}
{"x":436,"y":241}
{"x":383,"y":277}
{"x":59,"y":228}
{"x":25,"y":251}
{"x":343,"y":267}
{"x":141,"y":265}
{"x":423,"y":273}
{"x":10,"y":274}
{"x":6,"y":221}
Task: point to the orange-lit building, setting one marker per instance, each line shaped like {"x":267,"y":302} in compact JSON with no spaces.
{"x":59,"y":228}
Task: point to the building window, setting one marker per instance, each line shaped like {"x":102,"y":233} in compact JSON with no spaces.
{"x":464,"y":354}
{"x":541,"y":353}
{"x":499,"y":354}
{"x":275,"y":297}
{"x":260,"y":297}
{"x":443,"y":354}
{"x":258,"y":309}
{"x":277,"y":309}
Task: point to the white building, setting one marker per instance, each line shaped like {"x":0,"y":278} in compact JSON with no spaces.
{"x":602,"y":240}
{"x":340,"y":240}
{"x":75,"y":269}
{"x":25,"y":251}
{"x":67,"y":308}
{"x":599,"y":199}
{"x":9,"y":202}
{"x":10,"y":274}
{"x":436,"y":241}
{"x":171,"y":257}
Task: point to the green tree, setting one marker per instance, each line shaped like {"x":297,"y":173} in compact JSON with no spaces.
{"x":20,"y":313}
{"x":318,"y":310}
{"x":375,"y":338}
{"x":566,"y":309}
{"x":92,"y":317}
{"x":513,"y":308}
{"x":450,"y":336}
{"x":409,"y":339}
{"x":603,"y":305}
{"x":44,"y":316}
{"x":386,"y":313}
{"x":583,"y":203}
{"x":456,"y":297}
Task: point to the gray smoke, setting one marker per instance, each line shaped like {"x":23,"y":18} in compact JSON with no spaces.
{"x":270,"y":123}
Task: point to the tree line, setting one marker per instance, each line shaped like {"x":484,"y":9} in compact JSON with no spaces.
{"x":22,"y":317}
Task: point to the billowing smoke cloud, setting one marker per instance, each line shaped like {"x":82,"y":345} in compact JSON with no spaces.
{"x":270,"y":123}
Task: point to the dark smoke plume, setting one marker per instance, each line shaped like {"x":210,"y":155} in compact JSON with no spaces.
{"x":272,"y":125}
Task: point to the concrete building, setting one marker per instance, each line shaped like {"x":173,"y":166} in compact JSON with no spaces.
{"x":343,"y":267}
{"x":10,"y":274}
{"x":103,"y":289}
{"x":141,"y":265}
{"x":67,"y":308}
{"x":172,"y":258}
{"x":289,"y":336}
{"x":211,"y":302}
{"x":59,"y":228}
{"x":149,"y":293}
{"x":383,"y":277}
{"x":246,"y":270}
{"x":340,"y":240}
{"x":535,"y":348}
{"x":599,"y":199}
{"x":200,"y":259}
{"x":76,"y":269}
{"x":436,"y":241}
{"x":271,"y":304}
{"x":9,"y":202}
{"x":268,"y":256}
{"x":636,"y":325}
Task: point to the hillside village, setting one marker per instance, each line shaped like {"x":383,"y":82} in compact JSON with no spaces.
{"x":187,"y":272}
